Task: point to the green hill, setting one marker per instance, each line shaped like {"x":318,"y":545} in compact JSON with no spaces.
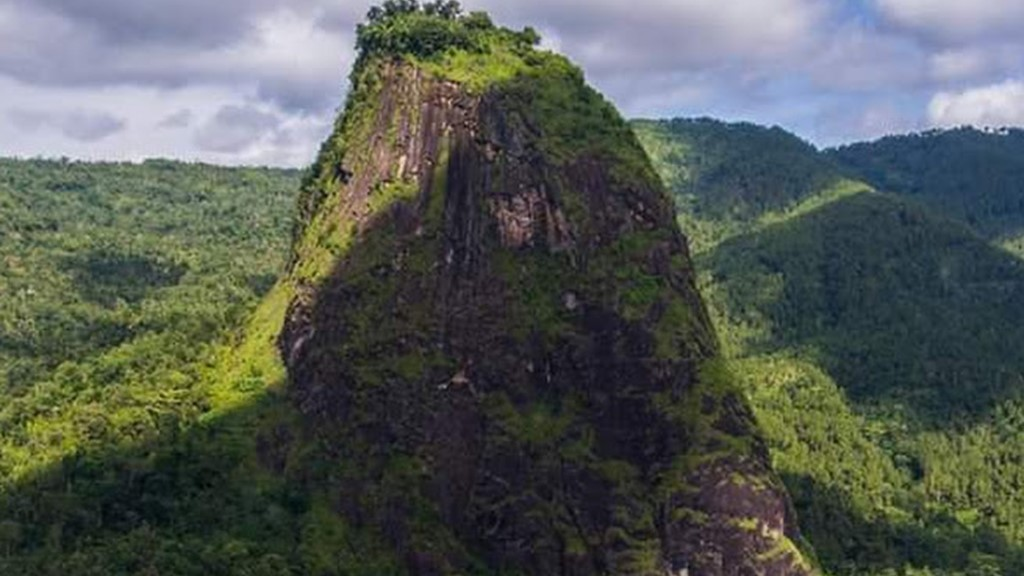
{"x":876,"y":337}
{"x":723,"y":180}
{"x":974,"y":176}
{"x":901,"y":307}
{"x":93,"y":256}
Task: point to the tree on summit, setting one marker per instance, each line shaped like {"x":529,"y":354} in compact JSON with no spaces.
{"x":406,"y":27}
{"x":449,"y":10}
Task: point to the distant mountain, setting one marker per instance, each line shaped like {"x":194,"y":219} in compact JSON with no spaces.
{"x":877,"y":334}
{"x":727,"y":177}
{"x":972,"y":175}
{"x":900,"y":306}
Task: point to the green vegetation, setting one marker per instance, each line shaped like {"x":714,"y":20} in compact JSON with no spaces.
{"x":973,"y":176}
{"x":403,"y":28}
{"x":722,"y":178}
{"x":881,"y":293}
{"x":876,"y":334}
{"x":545,"y":88}
{"x":129,"y":409}
{"x":97,"y":258}
{"x":145,"y":425}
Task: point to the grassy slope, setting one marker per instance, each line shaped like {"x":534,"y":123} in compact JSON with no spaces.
{"x":877,"y":340}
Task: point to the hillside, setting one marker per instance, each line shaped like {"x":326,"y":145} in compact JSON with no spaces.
{"x":903,"y":308}
{"x":973,"y":176}
{"x":723,"y":180}
{"x":96,"y":255}
{"x":876,"y":338}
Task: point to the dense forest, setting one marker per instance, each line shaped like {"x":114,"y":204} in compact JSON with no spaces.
{"x":122,"y":288}
{"x":972,"y":175}
{"x":725,"y":181}
{"x":875,"y":325}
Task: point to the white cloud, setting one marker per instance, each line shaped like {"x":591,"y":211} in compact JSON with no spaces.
{"x":997,"y":105}
{"x":295,"y":62}
{"x":858,"y":58}
{"x":612,"y":34}
{"x":281,"y":51}
{"x":87,"y":126}
{"x":178,"y":120}
{"x":958,"y":64}
{"x":234,"y":129}
{"x":293,"y":143}
{"x":978,"y":63}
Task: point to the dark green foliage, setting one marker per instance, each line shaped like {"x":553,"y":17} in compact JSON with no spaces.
{"x":878,"y":335}
{"x":399,"y":28}
{"x":96,"y":255}
{"x":916,"y":320}
{"x":881,"y":292}
{"x":722,"y":173}
{"x":105,"y":276}
{"x":976,"y":177}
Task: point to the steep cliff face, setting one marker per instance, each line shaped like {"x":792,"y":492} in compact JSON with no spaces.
{"x":496,"y":340}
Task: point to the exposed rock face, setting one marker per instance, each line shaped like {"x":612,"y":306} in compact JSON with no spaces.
{"x":503,"y":356}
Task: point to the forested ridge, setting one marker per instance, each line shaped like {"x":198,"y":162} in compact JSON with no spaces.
{"x":972,"y":175}
{"x":96,"y":255}
{"x":870,"y":303}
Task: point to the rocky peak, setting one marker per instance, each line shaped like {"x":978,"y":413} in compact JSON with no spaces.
{"x":495,"y":336}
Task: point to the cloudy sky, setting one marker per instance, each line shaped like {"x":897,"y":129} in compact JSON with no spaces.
{"x":258,"y":81}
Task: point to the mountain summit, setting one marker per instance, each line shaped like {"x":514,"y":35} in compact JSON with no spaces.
{"x":495,"y":339}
